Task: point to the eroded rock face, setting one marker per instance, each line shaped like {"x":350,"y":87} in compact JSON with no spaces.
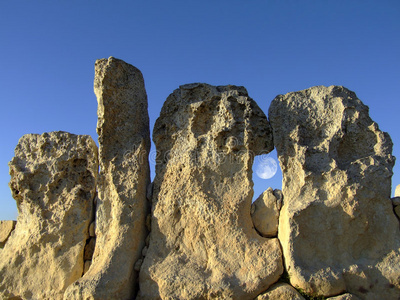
{"x":337,"y":227}
{"x":265,"y":212}
{"x":280,"y":291}
{"x":346,"y":296}
{"x":53,"y":180}
{"x":6,"y":227}
{"x":124,"y":140}
{"x":202,"y":243}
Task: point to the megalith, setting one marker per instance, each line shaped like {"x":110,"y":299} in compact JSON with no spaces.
{"x":122,"y":207}
{"x":53,"y":180}
{"x":203,"y":244}
{"x":337,"y":226}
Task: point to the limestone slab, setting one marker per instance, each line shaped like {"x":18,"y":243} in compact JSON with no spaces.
{"x":203,"y":244}
{"x":124,"y":145}
{"x":337,"y":227}
{"x":53,"y":180}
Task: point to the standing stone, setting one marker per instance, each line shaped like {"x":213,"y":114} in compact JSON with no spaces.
{"x":203,"y":244}
{"x":124,"y":139}
{"x":265,"y":212}
{"x":337,"y":227}
{"x":53,"y":180}
{"x":6,"y":227}
{"x":397,"y":191}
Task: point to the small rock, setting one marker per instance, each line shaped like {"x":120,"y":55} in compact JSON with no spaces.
{"x":138,"y":264}
{"x":280,"y":291}
{"x":144,"y":251}
{"x":279,"y":198}
{"x":92,"y":231}
{"x":266,"y":213}
{"x":87,"y":265}
{"x":346,"y":296}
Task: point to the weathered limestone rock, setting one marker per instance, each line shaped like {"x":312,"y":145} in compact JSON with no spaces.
{"x":6,"y":227}
{"x":202,"y":243}
{"x":346,"y":296}
{"x":337,"y":227}
{"x":397,"y":191}
{"x":280,"y":291}
{"x":265,"y":212}
{"x":124,"y":139}
{"x":396,"y":201}
{"x":397,"y":211}
{"x":53,"y":180}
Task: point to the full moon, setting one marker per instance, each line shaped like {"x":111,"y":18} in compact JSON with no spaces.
{"x":266,"y":168}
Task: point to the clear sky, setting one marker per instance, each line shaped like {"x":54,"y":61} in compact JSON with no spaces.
{"x":48,"y":50}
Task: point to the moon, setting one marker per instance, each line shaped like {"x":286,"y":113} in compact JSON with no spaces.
{"x":266,"y":168}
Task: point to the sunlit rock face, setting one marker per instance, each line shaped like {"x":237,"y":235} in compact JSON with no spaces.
{"x":337,"y":227}
{"x":265,"y":212}
{"x":6,"y":227}
{"x":203,"y":244}
{"x":280,"y":291}
{"x":53,"y":180}
{"x":122,"y":207}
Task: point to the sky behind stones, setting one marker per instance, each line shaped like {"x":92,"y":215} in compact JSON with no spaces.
{"x":48,"y":50}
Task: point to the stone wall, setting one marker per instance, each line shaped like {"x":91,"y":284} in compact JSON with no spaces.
{"x":92,"y":226}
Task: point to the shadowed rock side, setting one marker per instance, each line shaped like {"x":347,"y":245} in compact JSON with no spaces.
{"x":203,"y":244}
{"x":53,"y":180}
{"x":124,"y":139}
{"x":337,"y":227}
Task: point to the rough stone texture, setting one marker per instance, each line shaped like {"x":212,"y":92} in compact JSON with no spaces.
{"x":53,"y":180}
{"x":397,"y":211}
{"x":344,"y":297}
{"x":396,"y":201}
{"x":6,"y":227}
{"x":337,"y":227}
{"x":265,"y":212}
{"x":203,"y":244}
{"x":92,"y":227}
{"x":397,"y":191}
{"x":87,"y":266}
{"x":124,"y":139}
{"x":280,"y":291}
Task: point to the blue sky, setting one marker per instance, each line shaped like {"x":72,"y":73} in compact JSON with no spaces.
{"x":48,"y":50}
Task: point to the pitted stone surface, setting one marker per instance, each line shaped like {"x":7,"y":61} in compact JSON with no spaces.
{"x":265,"y":212}
{"x":124,"y":144}
{"x":280,"y":291}
{"x":337,"y":227}
{"x":202,"y":243}
{"x":6,"y":227}
{"x":53,"y":180}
